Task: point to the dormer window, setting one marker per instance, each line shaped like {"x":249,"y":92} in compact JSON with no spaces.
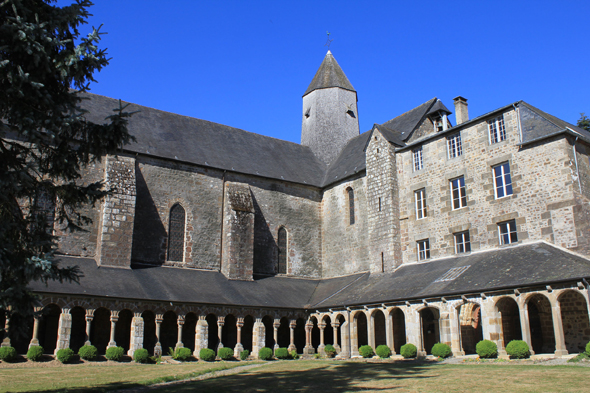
{"x":438,"y":124}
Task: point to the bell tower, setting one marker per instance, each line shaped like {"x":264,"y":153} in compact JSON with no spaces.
{"x":330,"y":114}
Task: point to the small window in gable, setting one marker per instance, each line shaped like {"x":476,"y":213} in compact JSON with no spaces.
{"x":350,"y":205}
{"x":176,"y":234}
{"x":282,"y":243}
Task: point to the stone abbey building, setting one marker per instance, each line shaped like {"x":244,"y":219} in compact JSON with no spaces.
{"x":416,"y":231}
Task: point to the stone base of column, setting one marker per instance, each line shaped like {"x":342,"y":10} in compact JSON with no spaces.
{"x":337,"y":348}
{"x":421,"y":354}
{"x":292,"y":347}
{"x":321,"y":349}
{"x":5,"y":342}
{"x":275,"y":347}
{"x":220,"y":345}
{"x":87,"y":342}
{"x":308,"y":350}
{"x":355,"y":354}
{"x":179,"y":345}
{"x":561,"y":352}
{"x":502,"y":354}
{"x":158,"y":349}
{"x":237,"y":350}
{"x":343,"y":355}
{"x":34,"y":343}
{"x":112,"y":344}
{"x":458,"y":353}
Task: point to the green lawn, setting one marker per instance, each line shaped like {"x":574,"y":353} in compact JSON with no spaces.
{"x":322,"y":376}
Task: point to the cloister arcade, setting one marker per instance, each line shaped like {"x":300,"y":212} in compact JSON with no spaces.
{"x":550,"y":321}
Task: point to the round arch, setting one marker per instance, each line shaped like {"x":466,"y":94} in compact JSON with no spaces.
{"x":538,"y":308}
{"x":470,"y":328}
{"x":574,"y":317}
{"x":430,"y":324}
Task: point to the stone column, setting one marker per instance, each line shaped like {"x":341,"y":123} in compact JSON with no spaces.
{"x":322,"y":345}
{"x":64,"y":330}
{"x":560,"y":348}
{"x":220,"y":322}
{"x":420,"y":344}
{"x":201,"y":336}
{"x":524,"y":325}
{"x":292,"y":326}
{"x":35,"y":339}
{"x":275,"y":332}
{"x":308,"y":350}
{"x":354,"y":337}
{"x":335,"y":326}
{"x":455,"y":333}
{"x":239,"y":347}
{"x":180,"y":324}
{"x":371,"y":330}
{"x":158,"y":347}
{"x":258,"y":337}
{"x":89,"y":318}
{"x":136,"y":341}
{"x":6,"y":339}
{"x":389,"y":332}
{"x":114,"y":319}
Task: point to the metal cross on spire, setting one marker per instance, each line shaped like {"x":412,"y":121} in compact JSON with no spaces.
{"x":329,"y":40}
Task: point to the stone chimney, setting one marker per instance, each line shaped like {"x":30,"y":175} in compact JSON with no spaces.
{"x":461,"y":115}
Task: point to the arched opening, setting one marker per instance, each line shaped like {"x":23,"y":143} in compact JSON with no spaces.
{"x":283,"y":251}
{"x":328,"y":330}
{"x":247,"y":331}
{"x":379,"y":328}
{"x":100,"y":329}
{"x":123,"y":329}
{"x":284,"y":333}
{"x":541,"y":324}
{"x":149,"y":331}
{"x":341,"y":320}
{"x":176,"y":234}
{"x":300,"y":335}
{"x":78,"y":331}
{"x":430,"y":328}
{"x":574,"y":317}
{"x":510,"y":316}
{"x":361,"y":329}
{"x":20,"y":340}
{"x":351,"y":218}
{"x":168,"y":332}
{"x":399,"y":329}
{"x":212,"y":339}
{"x":315,"y":333}
{"x":2,"y":324}
{"x":189,"y":330}
{"x":269,"y":340}
{"x":470,"y":323}
{"x":229,"y":332}
{"x":48,"y":328}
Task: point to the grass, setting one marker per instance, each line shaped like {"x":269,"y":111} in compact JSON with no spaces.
{"x":101,"y":377}
{"x":303,"y":375}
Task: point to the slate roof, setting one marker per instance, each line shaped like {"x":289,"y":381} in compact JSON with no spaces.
{"x":209,"y":144}
{"x":329,"y":75}
{"x":512,"y":267}
{"x":537,"y":124}
{"x":406,"y":123}
{"x":439,"y":107}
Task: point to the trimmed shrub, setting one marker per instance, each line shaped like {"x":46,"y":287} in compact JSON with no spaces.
{"x":366,"y":351}
{"x":441,"y":350}
{"x":265,"y":353}
{"x":64,"y":355}
{"x":182,"y":354}
{"x":88,"y":352}
{"x":587,"y":352}
{"x":330,"y":350}
{"x":8,"y":354}
{"x":408,"y":351}
{"x":35,"y":353}
{"x":225,"y":353}
{"x":141,"y":355}
{"x":115,"y":353}
{"x":207,"y":354}
{"x":294,"y":355}
{"x":486,"y":349}
{"x":244,"y":354}
{"x":518,"y":349}
{"x":282,"y":353}
{"x":383,"y":351}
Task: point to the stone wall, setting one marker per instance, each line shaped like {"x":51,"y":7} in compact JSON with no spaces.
{"x":541,"y":203}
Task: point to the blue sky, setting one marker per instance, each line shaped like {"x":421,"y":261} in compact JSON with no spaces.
{"x":246,"y":64}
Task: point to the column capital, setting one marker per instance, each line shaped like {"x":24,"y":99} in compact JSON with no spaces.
{"x":240,"y":322}
{"x":114,"y":316}
{"x":202,"y":317}
{"x":276,"y":323}
{"x":180,"y":319}
{"x":293,"y":324}
{"x":322,"y":325}
{"x":137,"y":315}
{"x":335,"y":324}
{"x":90,"y":313}
{"x":159,"y":318}
{"x":220,"y":321}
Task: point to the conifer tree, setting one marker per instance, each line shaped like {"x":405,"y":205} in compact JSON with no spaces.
{"x":584,"y":122}
{"x":46,"y":66}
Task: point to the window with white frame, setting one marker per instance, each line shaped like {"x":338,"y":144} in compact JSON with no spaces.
{"x":458,"y":195}
{"x":420,"y":202}
{"x":507,"y":232}
{"x":502,"y":181}
{"x":423,"y":248}
{"x":418,"y":159}
{"x":462,"y":242}
{"x":497,"y":130}
{"x":454,"y":146}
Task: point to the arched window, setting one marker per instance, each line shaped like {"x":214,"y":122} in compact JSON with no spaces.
{"x":45,"y":206}
{"x":176,"y":234}
{"x":350,"y":205}
{"x":282,"y":241}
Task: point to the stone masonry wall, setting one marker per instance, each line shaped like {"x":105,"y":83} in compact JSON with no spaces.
{"x":345,"y":248}
{"x":581,"y":208}
{"x":541,"y":202}
{"x":382,"y":205}
{"x":118,"y":212}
